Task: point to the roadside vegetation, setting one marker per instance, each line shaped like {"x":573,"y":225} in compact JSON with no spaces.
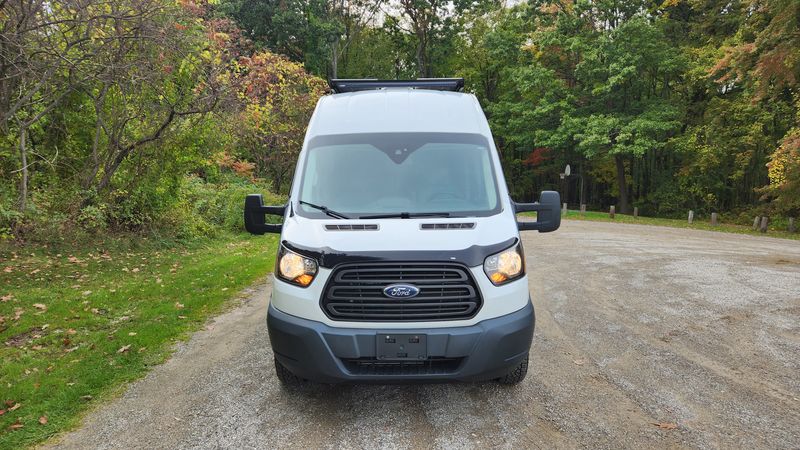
{"x":76,"y":324}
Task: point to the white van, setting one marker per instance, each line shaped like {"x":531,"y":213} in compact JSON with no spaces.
{"x":400,"y":257}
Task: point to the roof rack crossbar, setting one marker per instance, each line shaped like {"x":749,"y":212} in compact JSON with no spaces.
{"x":339,"y":85}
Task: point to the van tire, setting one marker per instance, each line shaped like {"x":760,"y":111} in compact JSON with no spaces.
{"x":285,"y":376}
{"x":516,"y":375}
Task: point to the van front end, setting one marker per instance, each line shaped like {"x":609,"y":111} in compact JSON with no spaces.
{"x":372,"y":317}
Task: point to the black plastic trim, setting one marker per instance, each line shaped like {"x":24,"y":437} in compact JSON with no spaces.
{"x":318,"y":352}
{"x":470,"y":256}
{"x":468,"y":281}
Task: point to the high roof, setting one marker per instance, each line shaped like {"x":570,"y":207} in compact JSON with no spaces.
{"x":398,"y":110}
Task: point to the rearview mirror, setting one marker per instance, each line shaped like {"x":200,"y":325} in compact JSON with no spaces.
{"x":548,"y":212}
{"x":255,"y":215}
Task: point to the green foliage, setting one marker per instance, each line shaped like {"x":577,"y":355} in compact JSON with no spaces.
{"x":85,"y":321}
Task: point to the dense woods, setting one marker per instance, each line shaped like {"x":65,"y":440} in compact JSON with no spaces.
{"x":158,"y":116}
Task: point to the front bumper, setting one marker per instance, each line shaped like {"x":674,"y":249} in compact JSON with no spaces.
{"x":318,"y":352}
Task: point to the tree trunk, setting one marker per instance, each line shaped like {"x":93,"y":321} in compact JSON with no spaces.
{"x":622,"y":184}
{"x":334,"y":58}
{"x":421,"y":66}
{"x":23,"y":183}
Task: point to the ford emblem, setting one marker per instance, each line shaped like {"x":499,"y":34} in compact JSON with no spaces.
{"x":401,"y":291}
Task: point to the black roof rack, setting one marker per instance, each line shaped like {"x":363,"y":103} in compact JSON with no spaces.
{"x":437,"y":84}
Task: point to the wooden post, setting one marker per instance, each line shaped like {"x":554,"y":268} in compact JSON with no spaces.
{"x":564,"y":210}
{"x":713,"y":219}
{"x":791,"y":225}
{"x":611,"y":211}
{"x":764,"y":223}
{"x":691,"y":217}
{"x":756,"y":222}
{"x":635,"y":212}
{"x":583,"y":209}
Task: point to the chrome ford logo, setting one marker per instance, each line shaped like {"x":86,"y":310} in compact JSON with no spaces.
{"x":401,"y":291}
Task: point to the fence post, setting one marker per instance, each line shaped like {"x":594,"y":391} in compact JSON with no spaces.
{"x":791,"y":225}
{"x":691,"y":217}
{"x":611,"y":211}
{"x":713,"y":219}
{"x":635,"y":212}
{"x":583,"y":209}
{"x":564,"y":210}
{"x":764,"y":223}
{"x":756,"y":222}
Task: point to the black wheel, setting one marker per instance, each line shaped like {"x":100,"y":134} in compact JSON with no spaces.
{"x":517,"y":374}
{"x":285,"y":376}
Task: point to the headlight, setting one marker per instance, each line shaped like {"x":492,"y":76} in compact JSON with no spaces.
{"x":505,"y":266}
{"x":294,"y":268}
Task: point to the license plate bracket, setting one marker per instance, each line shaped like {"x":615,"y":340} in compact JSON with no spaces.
{"x":401,"y":347}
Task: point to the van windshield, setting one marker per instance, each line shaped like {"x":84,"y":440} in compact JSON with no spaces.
{"x":399,"y":173}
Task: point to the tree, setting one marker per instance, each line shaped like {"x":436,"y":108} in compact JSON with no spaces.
{"x":279,"y":99}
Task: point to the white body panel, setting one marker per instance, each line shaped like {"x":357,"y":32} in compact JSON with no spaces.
{"x":399,"y":110}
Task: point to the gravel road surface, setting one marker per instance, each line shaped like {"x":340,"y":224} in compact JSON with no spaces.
{"x":637,"y":327}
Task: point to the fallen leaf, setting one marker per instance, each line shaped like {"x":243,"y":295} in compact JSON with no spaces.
{"x":18,"y":313}
{"x":36,"y":347}
{"x":70,"y":350}
{"x":124,"y":348}
{"x":132,"y":333}
{"x":8,"y":269}
{"x":85,"y":293}
{"x":86,"y":397}
{"x":10,"y":402}
{"x":181,"y":317}
{"x":71,"y":331}
{"x":40,"y":306}
{"x":6,"y":298}
{"x":15,"y":407}
{"x":43,"y":420}
{"x":73,"y":259}
{"x":178,"y":305}
{"x":666,"y":425}
{"x":135,"y":269}
{"x":35,"y":271}
{"x":2,"y":411}
{"x":16,"y":425}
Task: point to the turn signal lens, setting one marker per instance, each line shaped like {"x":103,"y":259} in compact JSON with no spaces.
{"x":295,"y":269}
{"x":505,"y":266}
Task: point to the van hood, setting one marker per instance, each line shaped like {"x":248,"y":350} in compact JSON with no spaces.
{"x":399,"y":235}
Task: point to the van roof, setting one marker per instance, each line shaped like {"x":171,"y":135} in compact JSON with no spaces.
{"x":402,"y":109}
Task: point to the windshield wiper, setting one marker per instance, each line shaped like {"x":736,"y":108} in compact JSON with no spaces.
{"x":406,"y":215}
{"x":325,"y":209}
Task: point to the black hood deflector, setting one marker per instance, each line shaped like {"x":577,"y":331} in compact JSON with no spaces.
{"x":470,"y":256}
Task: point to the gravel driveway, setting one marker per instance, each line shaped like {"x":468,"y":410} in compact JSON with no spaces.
{"x":637,"y":327}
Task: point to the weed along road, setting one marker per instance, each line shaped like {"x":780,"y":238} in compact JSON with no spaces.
{"x":645,"y":336}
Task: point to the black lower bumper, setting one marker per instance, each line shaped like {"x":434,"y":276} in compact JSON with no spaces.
{"x":486,"y":350}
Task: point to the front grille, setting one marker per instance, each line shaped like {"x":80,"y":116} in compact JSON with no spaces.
{"x":355,"y":292}
{"x":431,"y":366}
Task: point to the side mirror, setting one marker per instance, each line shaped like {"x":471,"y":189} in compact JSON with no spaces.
{"x":548,"y":212}
{"x":255,"y":215}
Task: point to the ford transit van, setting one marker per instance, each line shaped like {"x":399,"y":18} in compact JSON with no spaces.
{"x":400,"y":256}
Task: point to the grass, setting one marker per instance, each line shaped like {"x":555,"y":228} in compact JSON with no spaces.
{"x":699,"y":224}
{"x":76,"y":326}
